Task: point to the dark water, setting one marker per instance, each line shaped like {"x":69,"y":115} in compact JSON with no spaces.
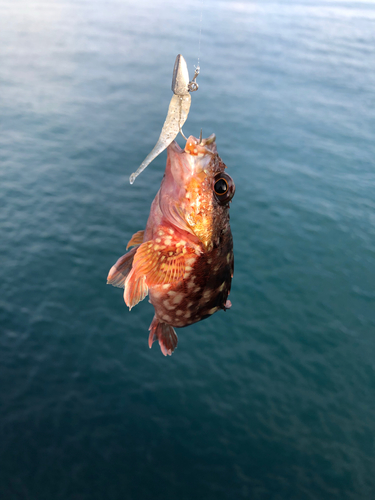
{"x":274,"y":399}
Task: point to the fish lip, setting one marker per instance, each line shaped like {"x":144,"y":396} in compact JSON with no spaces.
{"x":207,"y":145}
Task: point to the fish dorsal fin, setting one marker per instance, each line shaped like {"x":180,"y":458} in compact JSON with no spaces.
{"x":136,"y":239}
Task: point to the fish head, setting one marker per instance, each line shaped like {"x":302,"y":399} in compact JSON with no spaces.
{"x":196,"y":192}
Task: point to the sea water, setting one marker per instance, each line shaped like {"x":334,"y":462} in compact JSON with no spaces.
{"x":274,"y":399}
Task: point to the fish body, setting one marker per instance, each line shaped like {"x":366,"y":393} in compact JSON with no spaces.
{"x":184,"y":258}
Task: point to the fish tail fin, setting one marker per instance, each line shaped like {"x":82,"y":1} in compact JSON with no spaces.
{"x":119,"y":272}
{"x":165,"y":334}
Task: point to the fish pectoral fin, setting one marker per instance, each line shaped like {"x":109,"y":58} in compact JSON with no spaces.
{"x":136,"y":239}
{"x":165,"y":334}
{"x":161,"y":264}
{"x":119,"y":272}
{"x":154,"y":264}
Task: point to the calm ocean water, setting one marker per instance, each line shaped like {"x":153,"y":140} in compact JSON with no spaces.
{"x":274,"y":399}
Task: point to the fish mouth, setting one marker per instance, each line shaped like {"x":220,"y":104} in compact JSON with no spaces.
{"x":197,"y":147}
{"x":200,"y":147}
{"x":191,"y":161}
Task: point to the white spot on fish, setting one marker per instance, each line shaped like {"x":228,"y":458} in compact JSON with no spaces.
{"x":178,"y":298}
{"x":221,"y":287}
{"x":168,"y":306}
{"x":158,"y":240}
{"x":213,"y":310}
{"x":179,"y":312}
{"x":166,"y":317}
{"x":207,"y":294}
{"x":190,"y":261}
{"x":187,"y":315}
{"x":166,"y":286}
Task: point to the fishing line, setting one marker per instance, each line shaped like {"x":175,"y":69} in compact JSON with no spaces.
{"x":200,"y":36}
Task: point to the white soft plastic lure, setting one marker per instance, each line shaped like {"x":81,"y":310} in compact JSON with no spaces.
{"x":177,"y":112}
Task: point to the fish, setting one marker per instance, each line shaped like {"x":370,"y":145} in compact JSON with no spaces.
{"x":183,"y":260}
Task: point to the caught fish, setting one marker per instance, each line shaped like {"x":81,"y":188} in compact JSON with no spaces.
{"x":184,"y":258}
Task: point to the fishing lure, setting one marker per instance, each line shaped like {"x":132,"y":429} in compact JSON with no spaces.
{"x":178,"y":111}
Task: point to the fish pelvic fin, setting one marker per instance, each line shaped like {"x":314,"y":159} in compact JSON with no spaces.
{"x":136,"y":239}
{"x":119,"y":272}
{"x":135,"y":289}
{"x":165,"y":334}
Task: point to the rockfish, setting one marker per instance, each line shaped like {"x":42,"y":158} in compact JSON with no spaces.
{"x":184,"y":258}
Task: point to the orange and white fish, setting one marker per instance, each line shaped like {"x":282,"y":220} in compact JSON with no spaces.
{"x":184,"y":258}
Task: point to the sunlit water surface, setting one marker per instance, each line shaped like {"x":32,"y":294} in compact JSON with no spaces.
{"x":274,"y":399}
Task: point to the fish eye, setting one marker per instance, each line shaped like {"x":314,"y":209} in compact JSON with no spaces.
{"x":223,"y":188}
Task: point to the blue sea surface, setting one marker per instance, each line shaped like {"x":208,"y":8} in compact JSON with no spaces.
{"x":275,"y":399}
